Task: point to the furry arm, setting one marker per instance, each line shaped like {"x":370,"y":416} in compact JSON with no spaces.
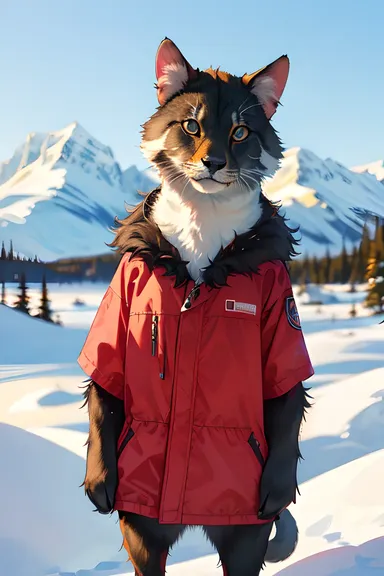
{"x":106,"y":420}
{"x":282,"y":421}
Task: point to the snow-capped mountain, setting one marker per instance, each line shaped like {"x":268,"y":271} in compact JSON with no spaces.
{"x":329,"y":201}
{"x":375,"y":168}
{"x":60,"y":192}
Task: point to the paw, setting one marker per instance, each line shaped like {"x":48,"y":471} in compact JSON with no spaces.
{"x":101,"y":494}
{"x":277,"y":490}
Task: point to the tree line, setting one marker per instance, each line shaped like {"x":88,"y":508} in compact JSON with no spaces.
{"x":11,"y":256}
{"x":365,"y":263}
{"x":22,"y":302}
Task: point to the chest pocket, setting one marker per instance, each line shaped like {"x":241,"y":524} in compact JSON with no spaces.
{"x":236,"y":302}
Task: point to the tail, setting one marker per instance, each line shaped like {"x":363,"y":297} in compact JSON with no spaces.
{"x":285,"y":540}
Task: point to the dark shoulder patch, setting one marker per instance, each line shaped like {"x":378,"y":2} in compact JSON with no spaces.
{"x":292,"y":313}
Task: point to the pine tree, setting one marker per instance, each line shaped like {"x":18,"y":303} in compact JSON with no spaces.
{"x":364,"y":251}
{"x":345,"y":268}
{"x":354,"y":276}
{"x":22,"y":303}
{"x":372,"y":260}
{"x":3,"y":296}
{"x":335,"y":270}
{"x":353,"y":311}
{"x":3,"y":254}
{"x":375,"y":296}
{"x":375,"y":271}
{"x":360,"y":264}
{"x":10,"y":253}
{"x":317,"y":271}
{"x":304,"y":274}
{"x":379,"y":241}
{"x":321,"y":271}
{"x":44,"y":308}
{"x":313,"y":270}
{"x":327,"y":267}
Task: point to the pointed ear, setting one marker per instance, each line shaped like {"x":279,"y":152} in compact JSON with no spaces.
{"x":172,"y":70}
{"x":268,"y":84}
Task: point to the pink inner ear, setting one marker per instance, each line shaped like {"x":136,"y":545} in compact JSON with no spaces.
{"x":172,"y":70}
{"x":278,"y":71}
{"x":167,"y":54}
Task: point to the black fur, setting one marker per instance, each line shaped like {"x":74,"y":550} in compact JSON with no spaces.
{"x":270,"y":239}
{"x":106,"y":420}
{"x":282,"y":420}
{"x":241,"y":549}
{"x":214,"y":97}
{"x":148,"y":541}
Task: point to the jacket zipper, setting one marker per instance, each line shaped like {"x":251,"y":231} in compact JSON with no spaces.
{"x":155,"y":332}
{"x":194,"y":293}
{"x":154,"y":344}
{"x":172,"y":411}
{"x":255,"y":445}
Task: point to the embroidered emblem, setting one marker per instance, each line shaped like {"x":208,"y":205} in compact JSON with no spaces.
{"x":233,"y":306}
{"x":292,"y":313}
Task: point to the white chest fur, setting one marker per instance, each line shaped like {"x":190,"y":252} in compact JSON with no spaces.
{"x":200,"y":224}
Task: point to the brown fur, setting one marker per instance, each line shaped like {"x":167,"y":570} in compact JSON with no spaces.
{"x":217,"y":73}
{"x":202,"y":150}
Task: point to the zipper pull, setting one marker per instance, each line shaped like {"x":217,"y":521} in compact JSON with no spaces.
{"x":194,"y":293}
{"x":155,"y":320}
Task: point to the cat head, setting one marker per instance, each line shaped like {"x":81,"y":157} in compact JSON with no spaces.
{"x":212,"y":132}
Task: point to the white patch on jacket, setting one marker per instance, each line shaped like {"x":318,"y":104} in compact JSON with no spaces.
{"x":198,"y":225}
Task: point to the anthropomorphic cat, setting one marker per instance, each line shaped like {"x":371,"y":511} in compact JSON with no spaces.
{"x":196,"y":355}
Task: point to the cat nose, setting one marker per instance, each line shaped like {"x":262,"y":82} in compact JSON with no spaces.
{"x":213,"y":164}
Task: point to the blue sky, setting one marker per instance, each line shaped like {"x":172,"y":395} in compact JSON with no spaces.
{"x":93,"y":61}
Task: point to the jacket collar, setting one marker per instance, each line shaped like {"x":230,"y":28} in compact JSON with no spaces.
{"x":269,"y":239}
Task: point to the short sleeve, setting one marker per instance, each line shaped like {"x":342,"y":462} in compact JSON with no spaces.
{"x":285,"y":357}
{"x":102,"y":357}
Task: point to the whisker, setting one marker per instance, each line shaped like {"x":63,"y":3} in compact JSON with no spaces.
{"x":186,"y":184}
{"x":241,"y":105}
{"x":176,"y":178}
{"x":247,"y":186}
{"x":249,"y":107}
{"x":250,"y":178}
{"x":253,"y":171}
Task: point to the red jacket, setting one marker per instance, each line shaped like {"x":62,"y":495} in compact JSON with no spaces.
{"x":193,"y":381}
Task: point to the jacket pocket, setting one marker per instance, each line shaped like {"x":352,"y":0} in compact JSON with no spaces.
{"x":129,"y":435}
{"x":255,"y":445}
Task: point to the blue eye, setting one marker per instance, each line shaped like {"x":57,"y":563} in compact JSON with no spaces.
{"x":241,"y":133}
{"x":191,"y":127}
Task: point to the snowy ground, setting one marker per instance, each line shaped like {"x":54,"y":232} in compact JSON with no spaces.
{"x":47,"y":525}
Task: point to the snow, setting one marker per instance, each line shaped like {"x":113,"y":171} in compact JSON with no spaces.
{"x":375,"y":168}
{"x":47,"y":526}
{"x":60,"y":193}
{"x":326,"y":199}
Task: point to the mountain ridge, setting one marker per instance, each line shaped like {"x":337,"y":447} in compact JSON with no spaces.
{"x":60,"y":193}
